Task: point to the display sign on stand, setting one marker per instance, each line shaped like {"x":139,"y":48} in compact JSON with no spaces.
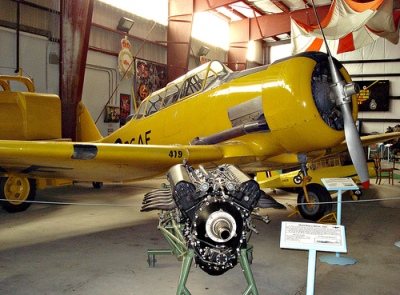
{"x":338,"y":184}
{"x":312,"y":237}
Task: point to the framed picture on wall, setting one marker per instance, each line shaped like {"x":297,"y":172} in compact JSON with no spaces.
{"x":150,"y":77}
{"x":125,"y":107}
{"x":373,"y":96}
{"x":112,"y":114}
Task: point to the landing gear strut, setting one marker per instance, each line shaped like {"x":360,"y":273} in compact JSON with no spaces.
{"x":311,"y":197}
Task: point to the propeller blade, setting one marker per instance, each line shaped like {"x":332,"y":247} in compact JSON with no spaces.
{"x":354,"y":146}
{"x":343,"y":93}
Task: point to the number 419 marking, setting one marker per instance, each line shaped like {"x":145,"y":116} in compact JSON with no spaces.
{"x":175,"y":154}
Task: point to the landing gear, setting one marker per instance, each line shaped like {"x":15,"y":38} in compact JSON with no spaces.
{"x":314,"y":210}
{"x":312,"y":195}
{"x":356,"y":195}
{"x":98,"y":185}
{"x":17,"y":190}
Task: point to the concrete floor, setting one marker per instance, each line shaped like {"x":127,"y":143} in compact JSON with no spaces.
{"x":87,"y":247}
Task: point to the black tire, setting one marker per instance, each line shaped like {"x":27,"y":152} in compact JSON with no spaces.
{"x":17,"y":190}
{"x":356,"y":195}
{"x":316,"y":194}
{"x":97,"y":185}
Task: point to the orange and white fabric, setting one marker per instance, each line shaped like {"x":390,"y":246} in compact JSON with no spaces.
{"x":349,"y":25}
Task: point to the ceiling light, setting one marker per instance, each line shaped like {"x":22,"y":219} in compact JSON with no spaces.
{"x":203,"y":51}
{"x":125,"y":24}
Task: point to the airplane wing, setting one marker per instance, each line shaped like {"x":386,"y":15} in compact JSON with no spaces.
{"x":103,"y":162}
{"x":128,"y":162}
{"x":365,"y":140}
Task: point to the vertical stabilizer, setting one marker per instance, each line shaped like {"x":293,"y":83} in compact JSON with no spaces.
{"x":86,"y":129}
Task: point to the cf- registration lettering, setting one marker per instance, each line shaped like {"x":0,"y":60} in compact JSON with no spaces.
{"x":142,"y":139}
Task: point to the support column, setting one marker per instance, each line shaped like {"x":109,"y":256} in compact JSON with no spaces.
{"x":180,"y":19}
{"x":76,"y":20}
{"x":239,"y":36}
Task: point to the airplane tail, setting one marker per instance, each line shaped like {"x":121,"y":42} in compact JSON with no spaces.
{"x":86,"y":129}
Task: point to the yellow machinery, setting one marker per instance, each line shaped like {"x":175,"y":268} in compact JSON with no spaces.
{"x":26,"y":116}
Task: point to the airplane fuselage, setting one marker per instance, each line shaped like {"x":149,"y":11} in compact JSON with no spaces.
{"x":282,"y":95}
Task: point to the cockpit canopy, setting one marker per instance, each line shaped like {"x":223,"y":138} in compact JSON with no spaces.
{"x":202,"y":78}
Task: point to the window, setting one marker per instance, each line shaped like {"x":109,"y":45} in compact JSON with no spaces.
{"x":141,"y":110}
{"x":208,"y":75}
{"x":191,"y":85}
{"x":172,"y":93}
{"x":153,"y":105}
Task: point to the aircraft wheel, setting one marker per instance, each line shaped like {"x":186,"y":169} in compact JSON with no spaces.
{"x":17,"y":190}
{"x":97,"y":185}
{"x":316,"y":194}
{"x":356,"y":195}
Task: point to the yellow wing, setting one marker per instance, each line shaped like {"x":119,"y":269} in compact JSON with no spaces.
{"x":95,"y":161}
{"x":366,"y":141}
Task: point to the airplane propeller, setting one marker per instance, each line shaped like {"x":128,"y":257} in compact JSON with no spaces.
{"x":343,"y":93}
{"x":343,"y":98}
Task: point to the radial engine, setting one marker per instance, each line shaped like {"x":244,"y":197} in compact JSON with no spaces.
{"x":213,"y":209}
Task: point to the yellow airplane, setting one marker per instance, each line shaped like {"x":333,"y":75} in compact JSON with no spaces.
{"x":265,"y":118}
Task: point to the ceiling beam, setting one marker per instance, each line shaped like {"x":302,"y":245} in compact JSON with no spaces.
{"x":282,"y":6}
{"x":270,"y":25}
{"x":203,"y":5}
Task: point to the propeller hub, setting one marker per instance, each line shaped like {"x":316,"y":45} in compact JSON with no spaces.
{"x":351,"y":89}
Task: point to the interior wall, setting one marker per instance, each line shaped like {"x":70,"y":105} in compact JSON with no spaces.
{"x":100,"y":87}
{"x":154,"y":34}
{"x":37,"y":57}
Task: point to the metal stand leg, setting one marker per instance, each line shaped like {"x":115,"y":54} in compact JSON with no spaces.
{"x":244,"y":263}
{"x":151,"y":255}
{"x":186,"y":264}
{"x":173,"y":234}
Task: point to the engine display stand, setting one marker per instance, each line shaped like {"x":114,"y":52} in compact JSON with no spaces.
{"x":244,"y":263}
{"x":172,"y":233}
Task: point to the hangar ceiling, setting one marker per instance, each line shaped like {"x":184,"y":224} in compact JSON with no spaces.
{"x":267,"y":20}
{"x":234,"y":11}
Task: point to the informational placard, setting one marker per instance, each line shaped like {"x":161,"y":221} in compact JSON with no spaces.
{"x":334,"y":184}
{"x":312,"y":236}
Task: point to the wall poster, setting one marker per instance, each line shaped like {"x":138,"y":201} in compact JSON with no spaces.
{"x":125,"y":107}
{"x":149,"y":78}
{"x":112,"y":115}
{"x":373,"y":96}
